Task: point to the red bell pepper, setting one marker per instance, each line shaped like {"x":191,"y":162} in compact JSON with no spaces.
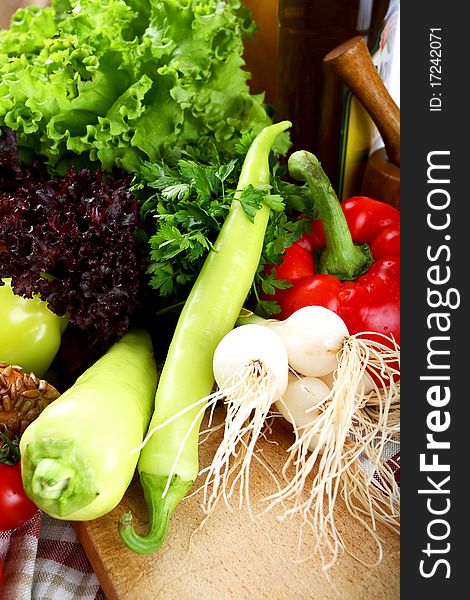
{"x":357,"y":249}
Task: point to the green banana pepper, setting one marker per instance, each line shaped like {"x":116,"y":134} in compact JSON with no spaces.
{"x":209,"y":313}
{"x":30,"y":333}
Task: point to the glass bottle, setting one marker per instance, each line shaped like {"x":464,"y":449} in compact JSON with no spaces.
{"x":327,"y":120}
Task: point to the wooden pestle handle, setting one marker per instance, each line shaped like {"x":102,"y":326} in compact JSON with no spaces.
{"x":352,"y":61}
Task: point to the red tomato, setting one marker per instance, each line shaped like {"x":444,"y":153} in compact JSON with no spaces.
{"x":15,"y":507}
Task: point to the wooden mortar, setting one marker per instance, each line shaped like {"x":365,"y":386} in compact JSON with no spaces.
{"x":353,"y":63}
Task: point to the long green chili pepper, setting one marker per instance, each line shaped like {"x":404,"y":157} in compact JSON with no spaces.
{"x":209,"y":313}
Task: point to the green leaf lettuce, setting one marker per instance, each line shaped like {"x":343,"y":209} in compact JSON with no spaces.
{"x":119,"y":82}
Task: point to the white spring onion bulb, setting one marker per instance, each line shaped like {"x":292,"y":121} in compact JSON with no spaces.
{"x":329,"y":379}
{"x":251,"y":368}
{"x":313,"y":336}
{"x":252,"y":348}
{"x":366,"y":384}
{"x":301,"y":395}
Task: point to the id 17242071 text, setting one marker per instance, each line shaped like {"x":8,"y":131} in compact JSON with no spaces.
{"x":435,"y":69}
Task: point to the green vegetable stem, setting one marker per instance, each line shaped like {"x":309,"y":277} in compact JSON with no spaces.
{"x":167,"y":466}
{"x":30,"y":334}
{"x":76,"y":457}
{"x":341,"y":257}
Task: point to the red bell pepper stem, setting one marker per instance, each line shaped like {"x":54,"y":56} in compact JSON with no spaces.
{"x":341,"y":257}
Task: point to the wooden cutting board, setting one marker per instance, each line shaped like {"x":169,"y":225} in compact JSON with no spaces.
{"x":233,"y":557}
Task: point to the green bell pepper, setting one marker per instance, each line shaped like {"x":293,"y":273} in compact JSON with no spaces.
{"x":30,"y":333}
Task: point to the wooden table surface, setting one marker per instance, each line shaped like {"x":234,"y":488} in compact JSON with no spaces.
{"x":233,"y":557}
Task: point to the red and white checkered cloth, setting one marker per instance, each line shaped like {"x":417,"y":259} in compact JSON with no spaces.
{"x":43,"y":560}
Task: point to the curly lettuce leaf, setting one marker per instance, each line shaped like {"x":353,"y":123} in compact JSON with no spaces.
{"x":118,"y":82}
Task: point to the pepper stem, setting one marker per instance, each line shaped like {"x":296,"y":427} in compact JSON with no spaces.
{"x":160,"y":509}
{"x":57,"y":477}
{"x":341,"y":257}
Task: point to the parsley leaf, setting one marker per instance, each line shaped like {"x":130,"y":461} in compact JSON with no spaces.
{"x":185,"y":204}
{"x":275,"y":202}
{"x":251,"y":200}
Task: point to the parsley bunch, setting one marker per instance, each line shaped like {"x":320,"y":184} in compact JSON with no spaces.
{"x":185,"y":203}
